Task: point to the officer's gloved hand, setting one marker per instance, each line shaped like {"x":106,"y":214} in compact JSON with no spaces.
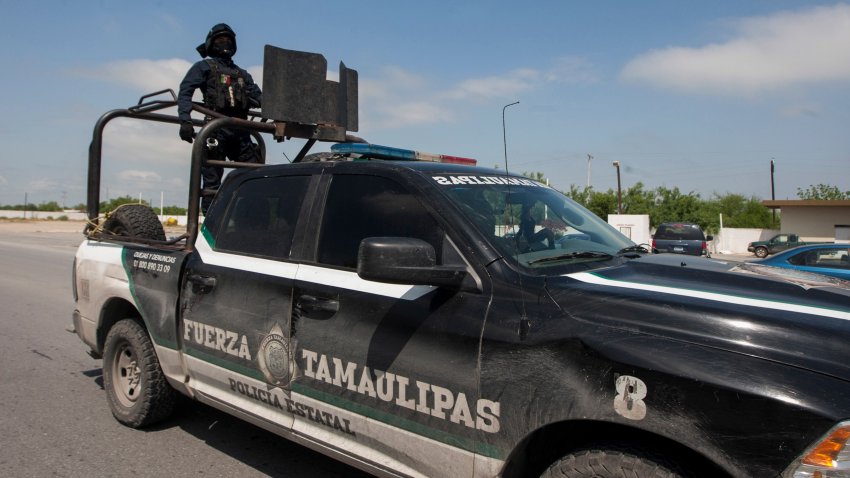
{"x":187,"y":132}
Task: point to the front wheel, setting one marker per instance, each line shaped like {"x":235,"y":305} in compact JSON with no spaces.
{"x":136,"y":388}
{"x":761,"y":252}
{"x":621,"y":462}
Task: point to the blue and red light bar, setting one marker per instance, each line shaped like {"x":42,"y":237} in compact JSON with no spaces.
{"x":385,"y":152}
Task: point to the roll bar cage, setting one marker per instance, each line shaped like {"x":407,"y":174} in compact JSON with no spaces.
{"x":324,"y":99}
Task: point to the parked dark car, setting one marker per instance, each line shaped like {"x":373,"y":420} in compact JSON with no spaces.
{"x":777,"y":243}
{"x":680,"y":238}
{"x":828,"y":259}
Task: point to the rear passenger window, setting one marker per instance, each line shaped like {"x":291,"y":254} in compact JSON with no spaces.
{"x":260,"y":219}
{"x":679,"y":232}
{"x":370,"y":206}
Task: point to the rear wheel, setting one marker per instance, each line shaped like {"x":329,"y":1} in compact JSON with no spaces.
{"x":761,"y":252}
{"x":617,"y":462}
{"x":136,"y":388}
{"x":135,"y":220}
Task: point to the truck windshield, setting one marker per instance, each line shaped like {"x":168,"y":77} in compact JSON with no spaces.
{"x":532,"y":223}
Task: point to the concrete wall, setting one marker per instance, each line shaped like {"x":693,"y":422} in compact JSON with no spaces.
{"x":814,"y":223}
{"x":633,"y":226}
{"x":71,"y":215}
{"x":734,"y":240}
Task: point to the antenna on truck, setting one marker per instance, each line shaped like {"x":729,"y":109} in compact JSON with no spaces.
{"x":524,"y":323}
{"x":504,"y":135}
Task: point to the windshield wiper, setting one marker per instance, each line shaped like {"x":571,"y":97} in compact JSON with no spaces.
{"x":573,"y":255}
{"x":636,"y":248}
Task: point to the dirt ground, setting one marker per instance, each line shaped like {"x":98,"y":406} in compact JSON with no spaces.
{"x":33,"y":225}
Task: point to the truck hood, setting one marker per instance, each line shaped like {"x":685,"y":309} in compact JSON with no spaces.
{"x":795,"y":318}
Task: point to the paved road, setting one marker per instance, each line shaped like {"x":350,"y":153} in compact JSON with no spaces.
{"x":55,"y":420}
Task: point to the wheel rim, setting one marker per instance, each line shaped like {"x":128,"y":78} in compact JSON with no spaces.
{"x":126,"y":375}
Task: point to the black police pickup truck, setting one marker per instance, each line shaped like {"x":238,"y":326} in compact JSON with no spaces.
{"x":388,"y":314}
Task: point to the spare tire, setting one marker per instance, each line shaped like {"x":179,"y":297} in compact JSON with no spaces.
{"x":135,"y":220}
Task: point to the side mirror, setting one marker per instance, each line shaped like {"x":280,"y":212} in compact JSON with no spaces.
{"x":709,"y":238}
{"x":405,"y":260}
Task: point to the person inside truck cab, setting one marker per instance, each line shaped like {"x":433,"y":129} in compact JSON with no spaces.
{"x":527,"y":226}
{"x":227,"y":89}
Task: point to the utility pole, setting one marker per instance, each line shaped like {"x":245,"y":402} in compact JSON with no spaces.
{"x":772,"y":191}
{"x":589,"y":157}
{"x":619,"y":191}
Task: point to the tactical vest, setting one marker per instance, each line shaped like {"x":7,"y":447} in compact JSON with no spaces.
{"x":226,"y":90}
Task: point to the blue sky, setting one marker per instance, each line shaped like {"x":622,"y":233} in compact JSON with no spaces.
{"x":695,"y":95}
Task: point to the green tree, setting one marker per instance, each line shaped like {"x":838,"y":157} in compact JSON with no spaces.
{"x":48,"y":206}
{"x":825,"y":192}
{"x":667,"y":205}
{"x":174,"y":210}
{"x":581,"y":196}
{"x":112,"y":204}
{"x":637,"y":201}
{"x":739,"y":211}
{"x":602,"y":203}
{"x":673,"y":205}
{"x":537,"y":176}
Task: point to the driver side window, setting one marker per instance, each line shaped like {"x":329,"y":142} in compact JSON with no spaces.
{"x":260,"y":219}
{"x":360,"y":206}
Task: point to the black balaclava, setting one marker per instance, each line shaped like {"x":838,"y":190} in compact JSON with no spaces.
{"x":220,"y":48}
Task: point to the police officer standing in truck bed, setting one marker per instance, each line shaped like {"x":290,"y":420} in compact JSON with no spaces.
{"x":226,"y":89}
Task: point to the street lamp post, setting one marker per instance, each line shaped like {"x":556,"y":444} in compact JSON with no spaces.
{"x":619,"y":191}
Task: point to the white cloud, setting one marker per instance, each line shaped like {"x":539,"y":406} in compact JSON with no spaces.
{"x":44,"y":185}
{"x":401,"y":98}
{"x":146,"y":177}
{"x":768,"y":53}
{"x":3,"y":181}
{"x":150,"y":75}
{"x":502,"y":86}
{"x":128,"y":140}
{"x":801,"y":110}
{"x":398,"y":99}
{"x":256,"y":73}
{"x":143,"y":75}
{"x":573,"y":70}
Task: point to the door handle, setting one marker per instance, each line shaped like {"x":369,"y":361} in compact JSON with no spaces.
{"x":201,"y":284}
{"x":322,"y":306}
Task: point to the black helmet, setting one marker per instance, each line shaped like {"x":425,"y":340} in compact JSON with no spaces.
{"x":221,"y":29}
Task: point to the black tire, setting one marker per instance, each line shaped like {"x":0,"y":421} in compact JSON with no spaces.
{"x":136,"y":388}
{"x":761,"y":252}
{"x":135,"y":220}
{"x":615,"y":462}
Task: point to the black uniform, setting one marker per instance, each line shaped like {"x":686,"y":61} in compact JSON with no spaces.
{"x":226,"y":89}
